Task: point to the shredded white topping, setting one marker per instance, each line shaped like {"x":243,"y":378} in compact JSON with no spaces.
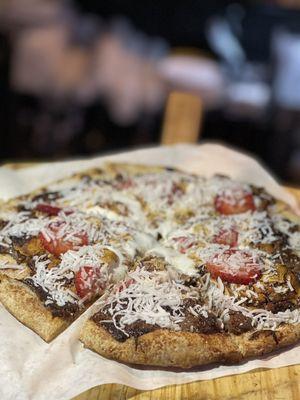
{"x":51,"y":280}
{"x":152,"y":297}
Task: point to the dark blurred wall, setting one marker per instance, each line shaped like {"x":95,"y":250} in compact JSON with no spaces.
{"x":89,"y":128}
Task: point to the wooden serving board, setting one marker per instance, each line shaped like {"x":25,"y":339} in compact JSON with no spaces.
{"x":260,"y":384}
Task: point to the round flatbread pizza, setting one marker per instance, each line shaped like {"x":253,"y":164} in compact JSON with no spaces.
{"x":185,"y":270}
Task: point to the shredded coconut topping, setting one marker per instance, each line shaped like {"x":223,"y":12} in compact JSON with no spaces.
{"x":152,"y":297}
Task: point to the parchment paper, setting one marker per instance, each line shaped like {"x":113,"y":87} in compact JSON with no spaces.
{"x":32,"y":369}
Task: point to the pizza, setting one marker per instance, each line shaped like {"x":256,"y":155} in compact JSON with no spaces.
{"x":184,"y":270}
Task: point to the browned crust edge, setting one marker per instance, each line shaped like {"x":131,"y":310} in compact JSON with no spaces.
{"x":25,"y":305}
{"x":164,"y":348}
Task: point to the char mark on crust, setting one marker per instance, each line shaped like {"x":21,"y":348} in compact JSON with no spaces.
{"x":69,"y":311}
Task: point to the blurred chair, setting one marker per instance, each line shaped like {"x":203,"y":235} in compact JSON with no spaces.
{"x":183,"y":119}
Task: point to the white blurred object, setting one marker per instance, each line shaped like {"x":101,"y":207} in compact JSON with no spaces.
{"x":286,"y":48}
{"x":194,"y":73}
{"x":255,"y":95}
{"x":224,"y":43}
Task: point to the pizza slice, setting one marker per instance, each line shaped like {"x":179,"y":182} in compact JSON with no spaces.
{"x":56,"y":257}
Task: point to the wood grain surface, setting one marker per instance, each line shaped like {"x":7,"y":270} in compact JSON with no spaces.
{"x":271,"y":384}
{"x":182,"y":120}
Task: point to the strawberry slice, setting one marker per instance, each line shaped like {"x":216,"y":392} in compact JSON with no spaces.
{"x":56,"y":243}
{"x":227,"y":237}
{"x":234,"y":201}
{"x":89,"y":282}
{"x":234,"y":266}
{"x":51,"y":210}
{"x":48,"y":209}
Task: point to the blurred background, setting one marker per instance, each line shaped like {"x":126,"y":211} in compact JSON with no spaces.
{"x":81,"y":77}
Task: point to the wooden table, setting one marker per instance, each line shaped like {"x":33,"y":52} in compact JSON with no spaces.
{"x":275,"y":384}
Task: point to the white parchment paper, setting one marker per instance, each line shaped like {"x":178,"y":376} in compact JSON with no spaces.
{"x":33,"y":369}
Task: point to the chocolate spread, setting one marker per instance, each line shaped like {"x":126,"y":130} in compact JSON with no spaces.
{"x":69,"y":311}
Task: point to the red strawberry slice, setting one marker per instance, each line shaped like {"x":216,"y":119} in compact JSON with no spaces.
{"x":234,"y":201}
{"x":227,"y":237}
{"x":56,"y":244}
{"x":89,"y":282}
{"x":52,"y":210}
{"x":234,"y":266}
{"x":48,"y":209}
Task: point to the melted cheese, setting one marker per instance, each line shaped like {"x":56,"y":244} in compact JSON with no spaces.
{"x":179,"y":262}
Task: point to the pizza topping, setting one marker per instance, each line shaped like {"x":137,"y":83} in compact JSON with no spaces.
{"x":238,"y":323}
{"x":57,"y":240}
{"x":51,"y":280}
{"x":48,"y":209}
{"x":89,"y":282}
{"x":135,"y":329}
{"x":227,"y":237}
{"x":152,"y":297}
{"x":124,"y":285}
{"x":179,"y":262}
{"x":21,"y":225}
{"x":234,"y":201}
{"x":52,"y":210}
{"x":184,"y":243}
{"x":124,"y":183}
{"x":197,"y":319}
{"x":235,"y":266}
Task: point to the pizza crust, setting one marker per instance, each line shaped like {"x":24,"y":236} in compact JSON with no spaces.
{"x":164,"y":348}
{"x":17,"y":273}
{"x":132,"y":169}
{"x":25,"y":305}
